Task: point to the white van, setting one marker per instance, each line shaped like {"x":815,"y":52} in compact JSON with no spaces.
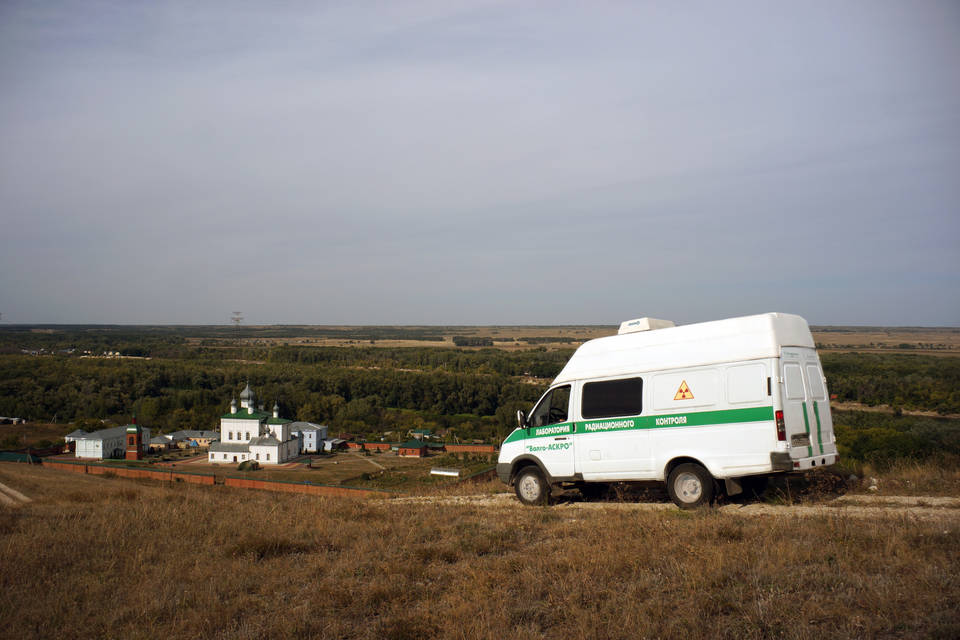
{"x":733,"y":400}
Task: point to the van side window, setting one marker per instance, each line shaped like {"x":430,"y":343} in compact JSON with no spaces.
{"x":793,"y":377}
{"x":553,"y":407}
{"x":612,"y":398}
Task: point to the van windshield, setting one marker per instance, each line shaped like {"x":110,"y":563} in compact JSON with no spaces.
{"x":553,"y":407}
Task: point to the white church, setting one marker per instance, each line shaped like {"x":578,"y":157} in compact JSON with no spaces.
{"x":248,"y":434}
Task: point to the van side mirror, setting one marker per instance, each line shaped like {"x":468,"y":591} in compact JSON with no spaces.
{"x":521,"y":418}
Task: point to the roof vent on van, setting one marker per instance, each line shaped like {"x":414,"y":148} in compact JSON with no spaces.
{"x":644,"y":324}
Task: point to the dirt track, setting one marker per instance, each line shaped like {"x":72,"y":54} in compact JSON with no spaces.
{"x":857,"y":506}
{"x":929,"y":508}
{"x":11,"y":497}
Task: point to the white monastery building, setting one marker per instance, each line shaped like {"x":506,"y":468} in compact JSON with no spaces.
{"x":248,"y":434}
{"x":106,"y":443}
{"x":311,"y":436}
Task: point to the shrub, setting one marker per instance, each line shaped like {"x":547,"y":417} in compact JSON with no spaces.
{"x":883,"y":439}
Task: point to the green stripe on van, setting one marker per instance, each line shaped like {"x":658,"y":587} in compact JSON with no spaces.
{"x":816,"y":412}
{"x":806,"y":423}
{"x":695,"y":419}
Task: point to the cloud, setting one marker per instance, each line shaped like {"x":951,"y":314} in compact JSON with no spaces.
{"x":478,"y":162}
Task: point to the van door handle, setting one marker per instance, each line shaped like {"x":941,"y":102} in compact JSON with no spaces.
{"x":561,"y":438}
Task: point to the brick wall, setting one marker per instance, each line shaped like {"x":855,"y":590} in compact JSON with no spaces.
{"x":65,"y":466}
{"x":311,"y":489}
{"x":128,"y":472}
{"x":240,"y":483}
{"x":470,"y":448}
{"x":368,"y":446}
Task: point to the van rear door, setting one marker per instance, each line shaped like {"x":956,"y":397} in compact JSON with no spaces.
{"x":806,"y":408}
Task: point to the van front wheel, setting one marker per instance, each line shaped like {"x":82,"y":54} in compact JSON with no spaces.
{"x":531,"y":487}
{"x":690,"y":486}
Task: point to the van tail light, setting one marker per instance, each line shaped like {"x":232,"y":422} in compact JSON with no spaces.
{"x":781,"y":427}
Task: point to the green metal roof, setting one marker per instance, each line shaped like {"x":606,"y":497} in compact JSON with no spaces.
{"x":243,"y":415}
{"x":412,"y":444}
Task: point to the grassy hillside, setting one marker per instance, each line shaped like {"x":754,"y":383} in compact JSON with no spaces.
{"x":92,"y":558}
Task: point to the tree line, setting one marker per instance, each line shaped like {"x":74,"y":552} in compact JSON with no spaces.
{"x":368,"y":390}
{"x":179,"y":394}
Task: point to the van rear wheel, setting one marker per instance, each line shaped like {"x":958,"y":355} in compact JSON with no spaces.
{"x":690,"y":486}
{"x":531,"y":487}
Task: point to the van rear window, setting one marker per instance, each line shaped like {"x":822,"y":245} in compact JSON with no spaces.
{"x":793,"y":377}
{"x":612,"y":398}
{"x":817,"y":390}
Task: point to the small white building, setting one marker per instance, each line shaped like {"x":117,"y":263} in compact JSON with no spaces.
{"x":106,"y":443}
{"x":73,"y":435}
{"x":311,"y":435}
{"x":248,"y":434}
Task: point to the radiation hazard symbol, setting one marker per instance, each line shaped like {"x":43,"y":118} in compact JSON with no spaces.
{"x":683,"y":393}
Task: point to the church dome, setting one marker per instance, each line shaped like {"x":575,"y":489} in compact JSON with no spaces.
{"x":247,"y":393}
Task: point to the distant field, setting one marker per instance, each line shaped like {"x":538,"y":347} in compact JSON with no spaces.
{"x":936,"y":341}
{"x":502,"y":337}
{"x":131,"y":338}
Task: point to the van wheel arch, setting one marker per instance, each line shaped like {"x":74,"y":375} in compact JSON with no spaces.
{"x":676,"y":462}
{"x":522,"y":463}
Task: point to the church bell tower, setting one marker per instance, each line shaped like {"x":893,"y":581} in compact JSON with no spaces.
{"x":134,"y":442}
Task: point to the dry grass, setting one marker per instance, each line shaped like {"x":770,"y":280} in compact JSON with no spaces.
{"x":907,"y":478}
{"x":112,"y":558}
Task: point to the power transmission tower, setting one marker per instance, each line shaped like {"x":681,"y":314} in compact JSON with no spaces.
{"x":237,"y":317}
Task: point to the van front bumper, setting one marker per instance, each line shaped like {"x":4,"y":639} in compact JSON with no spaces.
{"x":503,"y":472}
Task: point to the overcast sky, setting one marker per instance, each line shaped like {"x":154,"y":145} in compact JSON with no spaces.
{"x":479,"y":162}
